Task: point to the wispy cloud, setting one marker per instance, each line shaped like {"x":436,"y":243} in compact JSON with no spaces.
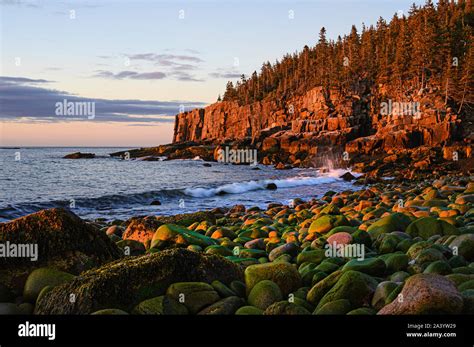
{"x":225,"y":73}
{"x":165,"y":59}
{"x":27,"y":100}
{"x":155,"y":75}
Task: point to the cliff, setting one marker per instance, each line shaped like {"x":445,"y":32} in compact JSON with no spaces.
{"x":306,"y":130}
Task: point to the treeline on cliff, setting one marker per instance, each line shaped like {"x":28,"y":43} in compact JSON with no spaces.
{"x":432,"y":46}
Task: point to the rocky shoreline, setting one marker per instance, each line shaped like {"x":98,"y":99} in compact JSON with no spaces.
{"x":394,"y":247}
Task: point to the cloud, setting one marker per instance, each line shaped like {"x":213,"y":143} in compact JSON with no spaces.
{"x":21,"y":99}
{"x":155,"y":75}
{"x":165,"y":59}
{"x":223,"y":73}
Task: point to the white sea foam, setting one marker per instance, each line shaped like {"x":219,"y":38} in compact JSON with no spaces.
{"x":242,"y":187}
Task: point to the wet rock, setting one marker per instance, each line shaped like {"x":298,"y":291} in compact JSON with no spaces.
{"x":79,"y":155}
{"x":347,"y":176}
{"x":271,"y":186}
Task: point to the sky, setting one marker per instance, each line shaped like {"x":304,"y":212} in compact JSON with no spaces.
{"x":135,"y":64}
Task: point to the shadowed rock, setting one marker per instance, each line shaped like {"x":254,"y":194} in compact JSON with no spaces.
{"x":125,"y":283}
{"x":426,"y":294}
{"x":64,"y":242}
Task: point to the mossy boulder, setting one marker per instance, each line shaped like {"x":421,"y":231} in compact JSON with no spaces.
{"x":466,"y":285}
{"x":399,"y":276}
{"x":322,"y":287}
{"x":283,"y":274}
{"x":429,"y":255}
{"x":394,"y":222}
{"x":325,"y":223}
{"x":65,"y":242}
{"x":464,"y":245}
{"x":288,"y":248}
{"x":428,"y":226}
{"x":41,"y":278}
{"x":194,"y":295}
{"x":315,"y":256}
{"x":370,"y":266}
{"x":249,"y":311}
{"x":161,"y":305}
{"x":226,"y":306}
{"x":381,"y":294}
{"x":366,"y":311}
{"x":223,"y":290}
{"x":264,"y":293}
{"x":440,"y":267}
{"x":169,"y":235}
{"x":355,"y":286}
{"x":396,"y":262}
{"x":426,"y":294}
{"x":341,"y":306}
{"x":124,"y":284}
{"x":285,"y":308}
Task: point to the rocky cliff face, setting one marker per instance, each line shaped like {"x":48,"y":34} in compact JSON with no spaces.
{"x":307,"y":130}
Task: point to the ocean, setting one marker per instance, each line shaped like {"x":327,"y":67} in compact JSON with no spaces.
{"x":32,"y":179}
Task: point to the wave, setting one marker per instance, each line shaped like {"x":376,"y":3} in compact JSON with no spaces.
{"x":124,"y":200}
{"x":243,"y":187}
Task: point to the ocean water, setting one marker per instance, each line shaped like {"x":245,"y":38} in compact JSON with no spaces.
{"x":32,"y":179}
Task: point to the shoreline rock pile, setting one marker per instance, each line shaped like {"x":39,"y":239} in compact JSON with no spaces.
{"x":389,"y":248}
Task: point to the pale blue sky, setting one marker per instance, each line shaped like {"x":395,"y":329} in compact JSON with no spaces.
{"x":143,"y":50}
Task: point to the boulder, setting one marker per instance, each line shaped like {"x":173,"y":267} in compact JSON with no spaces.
{"x":370,"y":266}
{"x":160,"y":305}
{"x":394,"y":222}
{"x":464,"y":246}
{"x":124,"y":284}
{"x":283,"y":274}
{"x":341,"y":306}
{"x":79,"y":155}
{"x":264,"y":293}
{"x":429,"y":226}
{"x":143,"y":228}
{"x":41,"y":278}
{"x":65,"y":242}
{"x":172,"y":235}
{"x":194,"y":295}
{"x":354,"y":286}
{"x":426,"y":294}
{"x":225,"y":306}
{"x":285,"y":308}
